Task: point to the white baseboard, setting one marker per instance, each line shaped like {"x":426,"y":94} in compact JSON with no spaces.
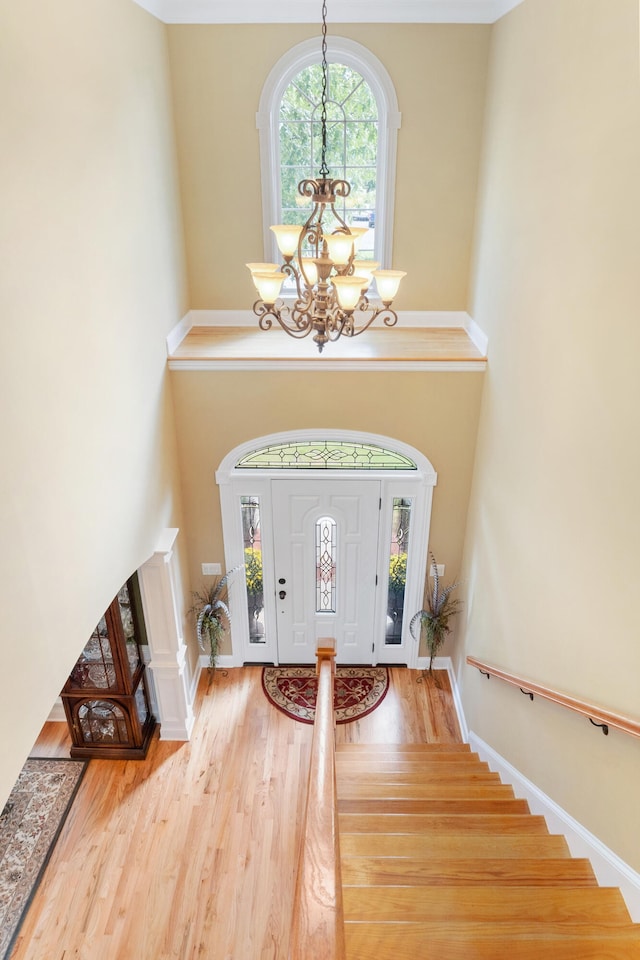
{"x":247,"y":318}
{"x":179,"y":332}
{"x":609,"y":869}
{"x":226,"y":661}
{"x":477,"y":335}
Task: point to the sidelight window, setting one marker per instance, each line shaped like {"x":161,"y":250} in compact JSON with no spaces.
{"x":400,"y":529}
{"x":252,"y":543}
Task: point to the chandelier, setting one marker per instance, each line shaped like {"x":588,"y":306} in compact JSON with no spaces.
{"x":332,"y":284}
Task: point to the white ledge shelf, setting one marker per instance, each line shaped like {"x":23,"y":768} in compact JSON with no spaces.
{"x":244,"y":348}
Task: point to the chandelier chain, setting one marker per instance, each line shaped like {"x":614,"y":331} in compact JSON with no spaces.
{"x":332,"y":285}
{"x":324,"y":170}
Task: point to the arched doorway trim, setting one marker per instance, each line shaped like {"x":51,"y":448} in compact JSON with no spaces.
{"x":257,"y":506}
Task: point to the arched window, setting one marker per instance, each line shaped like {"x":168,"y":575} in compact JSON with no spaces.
{"x":363,"y":121}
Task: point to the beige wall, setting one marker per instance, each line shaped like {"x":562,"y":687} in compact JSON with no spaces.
{"x":439,"y":73}
{"x":436,"y":413}
{"x":91,"y":254}
{"x":552,"y":560}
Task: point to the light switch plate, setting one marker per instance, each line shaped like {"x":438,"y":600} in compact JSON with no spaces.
{"x":439,"y":567}
{"x":211,"y":569}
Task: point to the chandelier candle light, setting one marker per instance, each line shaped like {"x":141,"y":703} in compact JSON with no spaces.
{"x":332,"y":284}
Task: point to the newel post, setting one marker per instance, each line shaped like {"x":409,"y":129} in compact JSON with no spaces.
{"x":162,"y":601}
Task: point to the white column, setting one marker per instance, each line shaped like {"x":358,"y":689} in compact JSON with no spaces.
{"x":162,"y":602}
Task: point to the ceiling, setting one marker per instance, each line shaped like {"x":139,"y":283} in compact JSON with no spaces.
{"x":339,"y":11}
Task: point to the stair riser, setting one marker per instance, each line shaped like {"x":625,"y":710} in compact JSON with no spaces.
{"x":486,"y":904}
{"x":499,"y":942}
{"x":452,"y":846}
{"x":434,"y":823}
{"x":376,"y":871}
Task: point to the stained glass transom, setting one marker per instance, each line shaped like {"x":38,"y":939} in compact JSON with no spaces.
{"x":325,"y":455}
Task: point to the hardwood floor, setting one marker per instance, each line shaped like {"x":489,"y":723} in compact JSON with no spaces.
{"x":191,"y":853}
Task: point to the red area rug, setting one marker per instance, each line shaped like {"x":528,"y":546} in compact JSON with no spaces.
{"x":357,"y":691}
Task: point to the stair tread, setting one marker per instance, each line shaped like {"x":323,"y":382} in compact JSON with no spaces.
{"x":432,"y":789}
{"x":507,"y":941}
{"x":418,"y":774}
{"x":443,"y":870}
{"x":388,"y":761}
{"x":397,"y":807}
{"x":452,"y":845}
{"x":442,"y":823}
{"x":379,"y":749}
{"x":441,"y":861}
{"x":485,"y":903}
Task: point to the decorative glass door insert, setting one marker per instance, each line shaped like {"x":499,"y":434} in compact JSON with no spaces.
{"x":326,"y":535}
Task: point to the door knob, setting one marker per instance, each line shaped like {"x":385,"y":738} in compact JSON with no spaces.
{"x":282,"y":594}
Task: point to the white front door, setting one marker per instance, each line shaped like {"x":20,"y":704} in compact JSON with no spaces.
{"x":325,"y":563}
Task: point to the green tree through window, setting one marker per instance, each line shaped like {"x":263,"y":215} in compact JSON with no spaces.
{"x":352,"y":143}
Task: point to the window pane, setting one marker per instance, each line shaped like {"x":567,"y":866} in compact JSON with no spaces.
{"x":400,"y":526}
{"x":251,"y":536}
{"x":326,"y":565}
{"x":352,"y":135}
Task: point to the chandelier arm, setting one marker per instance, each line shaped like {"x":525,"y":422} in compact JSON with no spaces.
{"x":301,"y":310}
{"x":291,"y":271}
{"x":389,"y":320}
{"x":267,"y":315}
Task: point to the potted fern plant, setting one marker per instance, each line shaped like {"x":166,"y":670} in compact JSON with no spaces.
{"x":439,"y":607}
{"x":211,"y":611}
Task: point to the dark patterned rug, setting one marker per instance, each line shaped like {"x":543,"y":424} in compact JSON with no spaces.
{"x":29,"y":827}
{"x":357,"y":691}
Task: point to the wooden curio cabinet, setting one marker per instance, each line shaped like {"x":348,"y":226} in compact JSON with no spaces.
{"x":105,"y":698}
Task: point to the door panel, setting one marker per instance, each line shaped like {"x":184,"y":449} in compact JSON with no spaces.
{"x":349,"y":572}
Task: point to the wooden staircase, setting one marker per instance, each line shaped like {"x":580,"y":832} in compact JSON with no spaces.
{"x":441,"y":862}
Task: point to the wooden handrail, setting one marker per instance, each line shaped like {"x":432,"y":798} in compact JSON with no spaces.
{"x":598,"y":715}
{"x":317,"y":928}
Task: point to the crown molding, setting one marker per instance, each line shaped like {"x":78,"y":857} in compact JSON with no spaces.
{"x":341,"y":11}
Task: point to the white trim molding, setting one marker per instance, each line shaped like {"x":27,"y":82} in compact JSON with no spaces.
{"x":343,"y":366}
{"x":609,"y":869}
{"x":342,"y":11}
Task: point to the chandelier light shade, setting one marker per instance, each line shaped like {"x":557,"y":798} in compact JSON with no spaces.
{"x":331,"y":284}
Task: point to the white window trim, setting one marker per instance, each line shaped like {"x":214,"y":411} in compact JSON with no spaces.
{"x":352,"y":54}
